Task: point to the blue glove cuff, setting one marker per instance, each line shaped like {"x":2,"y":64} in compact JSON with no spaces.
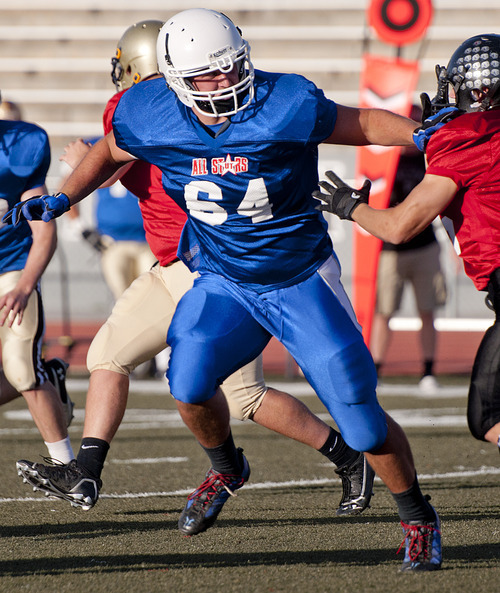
{"x":432,"y":124}
{"x":420,"y":139}
{"x":65,"y":199}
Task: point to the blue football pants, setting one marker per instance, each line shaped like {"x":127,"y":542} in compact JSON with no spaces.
{"x":219,"y":326}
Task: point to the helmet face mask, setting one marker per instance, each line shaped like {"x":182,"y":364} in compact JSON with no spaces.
{"x":117,"y":70}
{"x":198,"y":42}
{"x":135,"y":57}
{"x":474,"y":73}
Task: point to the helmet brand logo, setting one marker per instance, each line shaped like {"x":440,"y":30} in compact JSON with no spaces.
{"x":220,"y":52}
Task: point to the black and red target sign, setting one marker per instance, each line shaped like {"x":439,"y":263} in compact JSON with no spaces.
{"x":400,"y":22}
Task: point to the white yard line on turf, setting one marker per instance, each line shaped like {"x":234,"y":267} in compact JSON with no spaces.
{"x":149,"y":419}
{"x":296,"y":388}
{"x":483,"y":471}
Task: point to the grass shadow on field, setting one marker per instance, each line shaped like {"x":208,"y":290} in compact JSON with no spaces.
{"x":87,"y":530}
{"x":140,"y":562}
{"x":167,"y":520}
{"x":472,"y":556}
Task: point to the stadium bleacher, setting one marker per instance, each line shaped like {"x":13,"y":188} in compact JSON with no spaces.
{"x":55,"y":62}
{"x":55,"y":55}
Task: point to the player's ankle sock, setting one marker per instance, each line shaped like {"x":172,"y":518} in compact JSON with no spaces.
{"x":337,"y":450}
{"x":60,"y":450}
{"x":92,"y":455}
{"x":428,"y":368}
{"x":413,"y":505}
{"x":224,"y":458}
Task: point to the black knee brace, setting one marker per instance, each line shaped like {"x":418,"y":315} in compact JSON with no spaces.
{"x":483,"y":410}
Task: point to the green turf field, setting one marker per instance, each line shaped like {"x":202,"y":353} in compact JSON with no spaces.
{"x":279,"y":535}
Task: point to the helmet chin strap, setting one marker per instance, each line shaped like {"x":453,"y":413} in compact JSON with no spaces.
{"x":206,"y":106}
{"x":226,"y":104}
{"x":441,"y":98}
{"x":491,"y":97}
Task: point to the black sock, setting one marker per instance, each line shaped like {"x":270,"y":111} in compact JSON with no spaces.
{"x":413,"y":506}
{"x":337,"y":450}
{"x":225,"y":458}
{"x":92,"y":455}
{"x":428,"y":367}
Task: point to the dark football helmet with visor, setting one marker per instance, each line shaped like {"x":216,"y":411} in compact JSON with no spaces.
{"x":474,"y":74}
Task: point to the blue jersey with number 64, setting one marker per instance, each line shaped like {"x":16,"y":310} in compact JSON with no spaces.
{"x":247,"y":190}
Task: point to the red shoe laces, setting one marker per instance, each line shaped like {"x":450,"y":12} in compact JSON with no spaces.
{"x":208,"y":486}
{"x":419,"y":542}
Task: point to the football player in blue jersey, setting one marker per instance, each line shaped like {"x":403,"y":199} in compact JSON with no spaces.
{"x":137,"y":328}
{"x":238,"y":149}
{"x":25,"y":252}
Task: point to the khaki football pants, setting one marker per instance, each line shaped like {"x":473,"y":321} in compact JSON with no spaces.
{"x":22,"y":344}
{"x":124,"y":261}
{"x":137,"y":328}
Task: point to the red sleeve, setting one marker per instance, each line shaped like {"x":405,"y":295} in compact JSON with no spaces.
{"x":107,"y":118}
{"x":467,"y":150}
{"x":163,"y":219}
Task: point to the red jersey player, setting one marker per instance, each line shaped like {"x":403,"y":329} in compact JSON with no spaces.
{"x":462,"y":186}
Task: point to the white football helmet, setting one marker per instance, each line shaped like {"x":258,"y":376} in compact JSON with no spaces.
{"x":135,"y":57}
{"x":198,"y":41}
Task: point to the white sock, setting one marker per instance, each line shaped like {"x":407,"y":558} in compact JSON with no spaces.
{"x":61,"y":450}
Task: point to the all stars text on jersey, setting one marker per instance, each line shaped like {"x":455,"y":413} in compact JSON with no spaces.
{"x":220,"y":166}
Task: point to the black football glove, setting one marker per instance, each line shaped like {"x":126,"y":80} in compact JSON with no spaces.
{"x":94,"y":238}
{"x":341,"y":199}
{"x":435,"y":112}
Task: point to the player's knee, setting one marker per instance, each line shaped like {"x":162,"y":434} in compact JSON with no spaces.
{"x":372,"y":437}
{"x":101,"y":354}
{"x":353,"y":374}
{"x":97,"y":364}
{"x":245,"y":390}
{"x":478,"y":422}
{"x":22,"y":387}
{"x":476,"y":428}
{"x":95,"y":351}
{"x":20,"y":379}
{"x":483,"y":407}
{"x":374,"y":441}
{"x":194,"y":385}
{"x":244,"y":403}
{"x":190,"y":392}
